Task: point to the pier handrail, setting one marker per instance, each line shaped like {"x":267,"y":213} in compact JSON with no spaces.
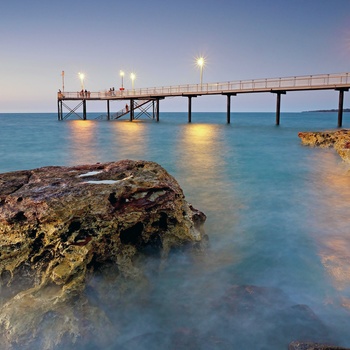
{"x":306,"y":82}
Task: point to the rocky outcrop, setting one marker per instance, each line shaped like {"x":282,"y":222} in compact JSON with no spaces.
{"x":59,"y":224}
{"x":339,"y":139}
{"x":313,"y":346}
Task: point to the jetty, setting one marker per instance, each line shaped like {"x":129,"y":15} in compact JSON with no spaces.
{"x":147,"y":100}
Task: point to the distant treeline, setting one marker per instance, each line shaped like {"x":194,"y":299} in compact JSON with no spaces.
{"x":328,"y":110}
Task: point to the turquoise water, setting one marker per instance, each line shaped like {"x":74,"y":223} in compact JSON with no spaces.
{"x":277,"y":267}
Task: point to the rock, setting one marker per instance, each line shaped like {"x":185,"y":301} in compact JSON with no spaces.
{"x":58,"y":224}
{"x":265,"y":318}
{"x":296,"y":345}
{"x":339,"y":139}
{"x":185,"y":338}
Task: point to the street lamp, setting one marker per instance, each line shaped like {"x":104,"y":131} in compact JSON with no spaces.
{"x":122,"y":76}
{"x":62,"y":74}
{"x":81,"y":76}
{"x":200,"y":64}
{"x":132,"y":77}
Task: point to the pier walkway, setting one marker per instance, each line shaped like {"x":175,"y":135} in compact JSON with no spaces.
{"x":279,"y":86}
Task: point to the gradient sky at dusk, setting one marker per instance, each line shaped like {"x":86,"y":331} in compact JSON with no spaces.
{"x":159,"y":40}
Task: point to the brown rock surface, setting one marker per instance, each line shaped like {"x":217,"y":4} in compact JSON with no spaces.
{"x":58,"y":223}
{"x":339,"y":139}
{"x":313,"y":346}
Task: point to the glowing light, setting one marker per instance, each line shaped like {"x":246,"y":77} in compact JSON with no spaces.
{"x":81,"y":77}
{"x":122,"y":75}
{"x":132,"y":77}
{"x":200,"y":63}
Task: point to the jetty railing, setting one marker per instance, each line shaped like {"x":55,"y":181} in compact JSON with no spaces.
{"x":307,"y":82}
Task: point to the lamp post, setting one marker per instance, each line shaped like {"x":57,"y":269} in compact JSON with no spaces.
{"x":200,"y":64}
{"x":132,"y":77}
{"x":81,"y":76}
{"x":62,"y":80}
{"x":122,"y":76}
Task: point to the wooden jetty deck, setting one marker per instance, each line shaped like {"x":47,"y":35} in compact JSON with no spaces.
{"x":279,"y":86}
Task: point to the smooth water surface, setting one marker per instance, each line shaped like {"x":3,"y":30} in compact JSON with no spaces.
{"x":277,"y":267}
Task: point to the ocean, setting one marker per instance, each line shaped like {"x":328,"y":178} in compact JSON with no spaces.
{"x":277,"y":266}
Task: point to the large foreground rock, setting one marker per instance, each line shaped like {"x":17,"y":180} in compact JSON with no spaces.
{"x":58,"y":224}
{"x":339,"y":139}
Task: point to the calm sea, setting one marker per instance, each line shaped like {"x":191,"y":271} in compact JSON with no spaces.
{"x":278,"y":262}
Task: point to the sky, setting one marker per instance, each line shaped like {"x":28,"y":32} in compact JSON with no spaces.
{"x":159,"y":41}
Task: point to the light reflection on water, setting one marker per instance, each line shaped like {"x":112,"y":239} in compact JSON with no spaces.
{"x":129,"y":139}
{"x":331,"y":224}
{"x":201,"y":146}
{"x":277,"y":217}
{"x":82,"y":143}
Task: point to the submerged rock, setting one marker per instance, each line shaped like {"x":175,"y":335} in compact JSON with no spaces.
{"x":59,"y":224}
{"x":313,"y":346}
{"x":265,"y":318}
{"x":339,"y":139}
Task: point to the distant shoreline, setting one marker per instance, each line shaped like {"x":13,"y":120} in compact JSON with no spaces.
{"x":327,"y":110}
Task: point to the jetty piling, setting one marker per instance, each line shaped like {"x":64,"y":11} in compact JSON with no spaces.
{"x":108,"y":111}
{"x":228,"y":107}
{"x":190,"y":107}
{"x":340,"y":105}
{"x":278,"y":105}
{"x":84,"y":109}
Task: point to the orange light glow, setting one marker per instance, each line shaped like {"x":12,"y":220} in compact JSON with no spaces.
{"x":82,"y":138}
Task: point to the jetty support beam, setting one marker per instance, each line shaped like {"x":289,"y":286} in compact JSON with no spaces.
{"x":84,"y":109}
{"x":155,"y":103}
{"x":157,"y":109}
{"x":108,"y":113}
{"x":71,"y":111}
{"x":340,"y":106}
{"x":228,"y":114}
{"x":190,"y":106}
{"x":131,"y":109}
{"x":278,"y":105}
{"x":59,"y":110}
